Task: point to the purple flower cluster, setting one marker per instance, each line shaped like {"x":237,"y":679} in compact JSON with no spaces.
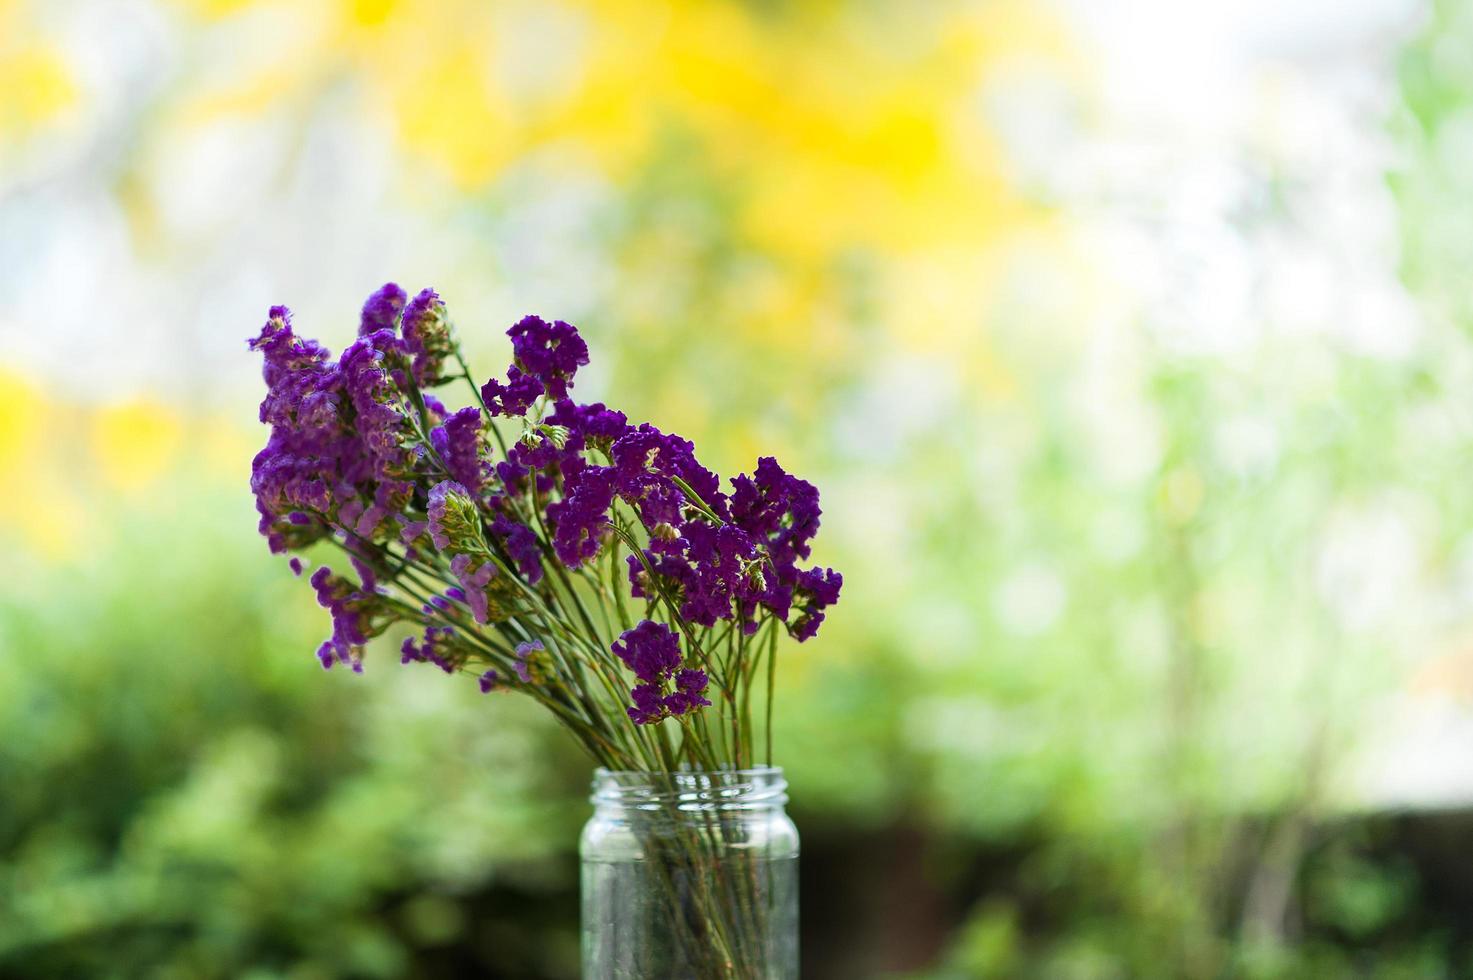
{"x":357,"y":616}
{"x":474,"y":578}
{"x":550,"y":352}
{"x":513,"y":398}
{"x":720,"y":555}
{"x":437,"y":646}
{"x":781,"y":513}
{"x":462,"y":446}
{"x":580,"y":517}
{"x":530,"y":662}
{"x":747,"y":561}
{"x":454,"y":520}
{"x":545,"y":356}
{"x":427,"y":337}
{"x":381,"y":310}
{"x":360,"y":454}
{"x":521,"y":546}
{"x":340,"y":451}
{"x":652,"y":651}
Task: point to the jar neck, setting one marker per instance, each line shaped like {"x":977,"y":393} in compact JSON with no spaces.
{"x":690,"y":791}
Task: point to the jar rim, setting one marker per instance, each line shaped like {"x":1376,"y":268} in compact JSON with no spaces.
{"x":603,"y":772}
{"x":761,"y":787}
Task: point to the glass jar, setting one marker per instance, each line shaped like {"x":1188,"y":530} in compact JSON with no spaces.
{"x":690,"y":874}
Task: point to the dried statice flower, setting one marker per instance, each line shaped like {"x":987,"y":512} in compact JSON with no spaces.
{"x":582,"y":514}
{"x":652,"y":651}
{"x":461,"y":446}
{"x":513,"y":398}
{"x":474,"y":578}
{"x":531,"y":662}
{"x":437,"y":646}
{"x":521,"y":545}
{"x":549,"y":352}
{"x":491,"y":543}
{"x":690,"y":688}
{"x":427,"y":337}
{"x":381,"y":310}
{"x":357,"y":616}
{"x":455,"y":522}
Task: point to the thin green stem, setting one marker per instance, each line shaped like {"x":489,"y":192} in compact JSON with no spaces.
{"x":771,"y":675}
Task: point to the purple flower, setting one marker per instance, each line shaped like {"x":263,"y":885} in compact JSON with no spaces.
{"x":580,"y":517}
{"x":322,"y":462}
{"x":815,"y":589}
{"x":458,"y":441}
{"x":437,"y":647}
{"x":412,"y":531}
{"x":381,"y":311}
{"x":426,"y":331}
{"x":389,"y":499}
{"x":821,"y":585}
{"x":455,"y":523}
{"x":723,"y":569}
{"x":285,"y":353}
{"x":651,"y":650}
{"x":379,"y":423}
{"x":807,"y":625}
{"x":299,"y":468}
{"x":513,"y":398}
{"x":553,"y":449}
{"x":473,"y":578}
{"x":525,"y":663}
{"x":549,"y":352}
{"x":594,"y":424}
{"x":692,"y":682}
{"x":690,"y":688}
{"x":779,"y":509}
{"x":649,"y":705}
{"x":521,"y":544}
{"x":647,"y":463}
{"x":513,"y":476}
{"x":717,"y":570}
{"x":357,"y":616}
{"x":781,"y":512}
{"x":718,"y":565}
{"x":357,"y":452}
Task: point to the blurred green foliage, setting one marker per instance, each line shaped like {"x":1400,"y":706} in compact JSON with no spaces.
{"x":185,"y":795}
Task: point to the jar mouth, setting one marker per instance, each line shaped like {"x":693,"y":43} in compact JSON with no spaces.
{"x":762,"y":787}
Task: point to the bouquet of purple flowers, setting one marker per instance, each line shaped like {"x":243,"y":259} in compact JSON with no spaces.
{"x":546,"y":547}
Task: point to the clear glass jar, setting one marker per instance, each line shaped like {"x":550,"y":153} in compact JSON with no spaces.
{"x":690,"y":874}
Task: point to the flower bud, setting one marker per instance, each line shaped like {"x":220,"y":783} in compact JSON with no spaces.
{"x":533,"y":665}
{"x":455,"y":521}
{"x":756,"y":580}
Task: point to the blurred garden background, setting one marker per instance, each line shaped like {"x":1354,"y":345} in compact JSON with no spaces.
{"x":1131,"y":344}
